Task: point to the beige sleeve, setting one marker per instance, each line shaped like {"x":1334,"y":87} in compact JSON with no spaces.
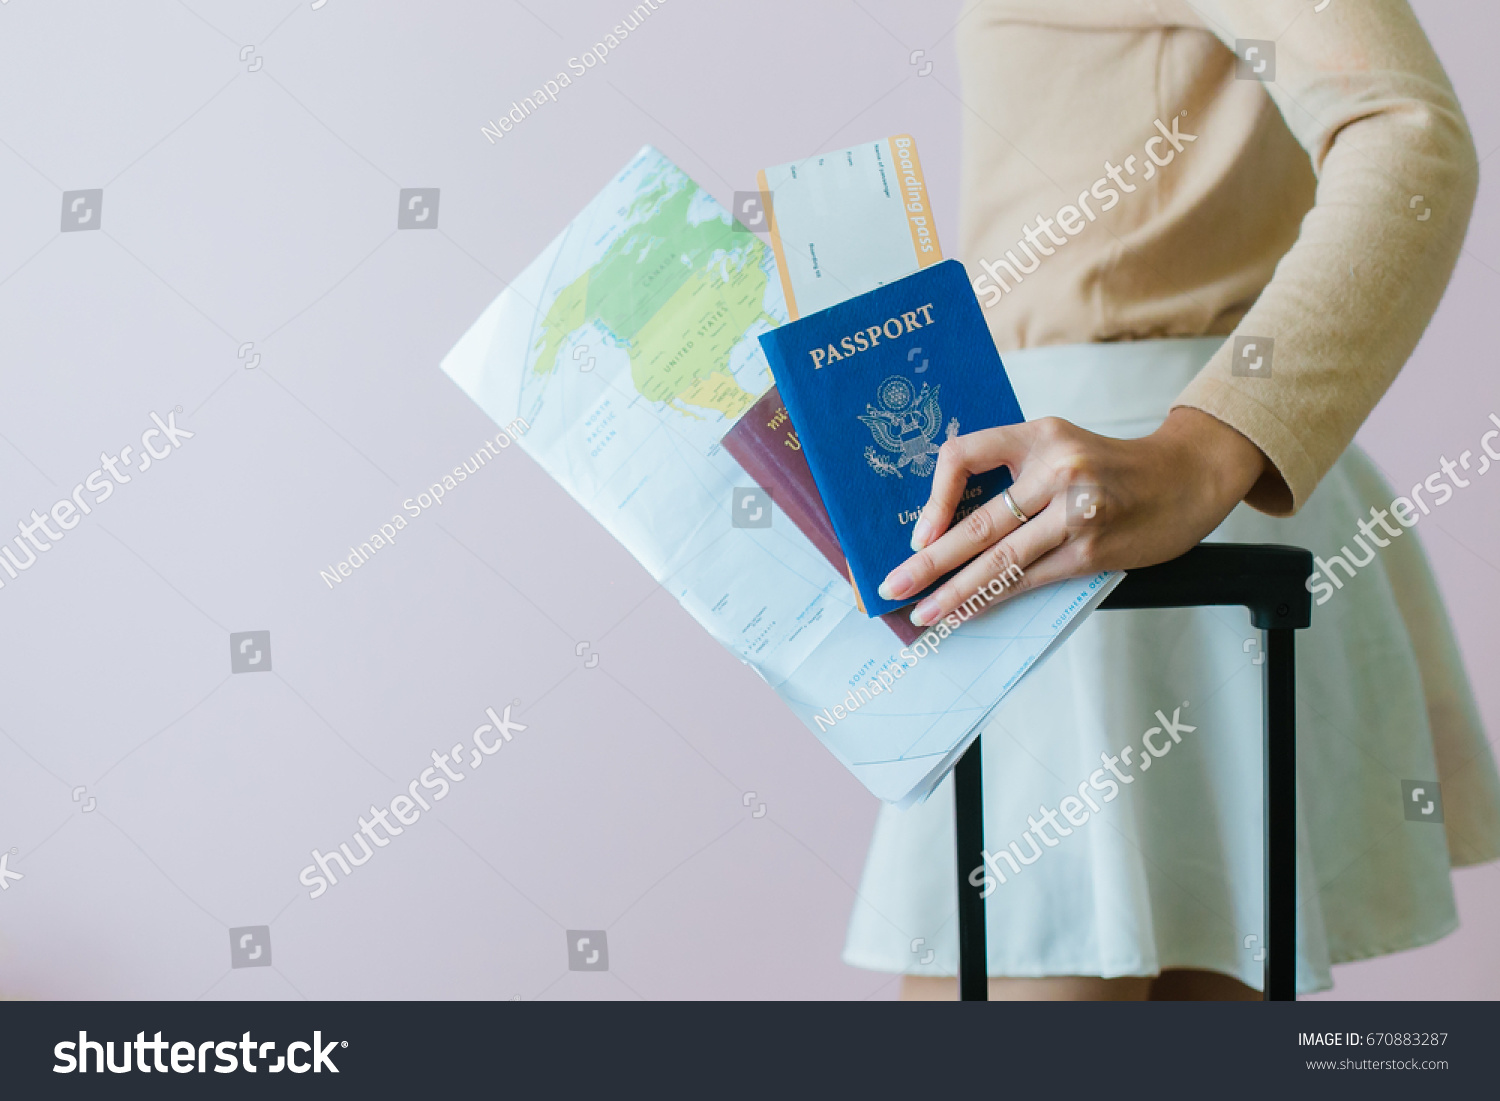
{"x":1361,"y":89}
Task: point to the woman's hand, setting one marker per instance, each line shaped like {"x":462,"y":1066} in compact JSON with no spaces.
{"x":1094,"y":503}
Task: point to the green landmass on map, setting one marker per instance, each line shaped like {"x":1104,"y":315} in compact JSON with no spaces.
{"x":677,"y":311}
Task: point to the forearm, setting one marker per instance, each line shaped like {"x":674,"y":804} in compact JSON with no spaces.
{"x":1218,"y":461}
{"x":1349,"y":301}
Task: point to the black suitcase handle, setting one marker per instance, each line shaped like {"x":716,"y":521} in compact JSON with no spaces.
{"x":1269,"y":580}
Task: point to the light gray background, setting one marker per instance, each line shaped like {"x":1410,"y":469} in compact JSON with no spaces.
{"x":260,"y":207}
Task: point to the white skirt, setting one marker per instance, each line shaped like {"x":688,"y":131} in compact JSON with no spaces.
{"x":1167,"y":872}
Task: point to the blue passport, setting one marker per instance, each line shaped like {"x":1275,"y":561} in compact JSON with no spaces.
{"x":873,"y":387}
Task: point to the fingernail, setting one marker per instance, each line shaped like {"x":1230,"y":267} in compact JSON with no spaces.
{"x":925,"y":613}
{"x":896,"y":584}
{"x":920,"y":534}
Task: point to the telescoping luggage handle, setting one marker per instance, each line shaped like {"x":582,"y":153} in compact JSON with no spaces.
{"x":1271,"y":581}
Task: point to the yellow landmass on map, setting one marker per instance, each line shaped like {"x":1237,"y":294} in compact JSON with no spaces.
{"x":718,"y":391}
{"x":680,"y":355}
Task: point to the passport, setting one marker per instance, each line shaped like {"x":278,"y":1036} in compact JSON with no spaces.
{"x":767,"y":448}
{"x":873,"y":387}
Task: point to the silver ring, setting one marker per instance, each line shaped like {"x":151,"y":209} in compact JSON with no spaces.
{"x":1010,"y":503}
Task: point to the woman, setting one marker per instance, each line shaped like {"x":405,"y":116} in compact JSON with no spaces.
{"x":1245,"y":249}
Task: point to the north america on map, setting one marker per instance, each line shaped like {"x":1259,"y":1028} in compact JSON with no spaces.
{"x":675,"y":294}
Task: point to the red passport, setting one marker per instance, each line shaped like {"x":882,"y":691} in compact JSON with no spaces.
{"x":764,"y":443}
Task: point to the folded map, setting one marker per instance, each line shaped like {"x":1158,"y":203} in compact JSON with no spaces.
{"x":629,"y":347}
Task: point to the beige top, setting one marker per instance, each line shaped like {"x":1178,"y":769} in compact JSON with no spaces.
{"x":1321,"y":200}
